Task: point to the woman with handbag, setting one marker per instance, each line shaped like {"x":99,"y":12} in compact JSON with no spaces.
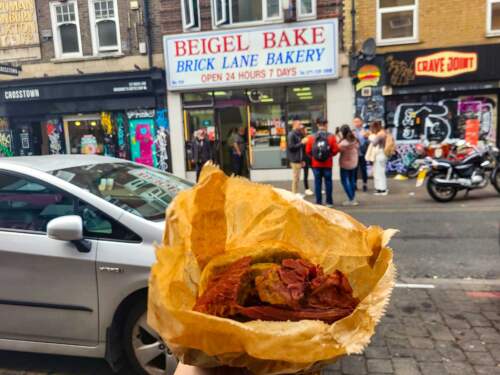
{"x":376,"y":155}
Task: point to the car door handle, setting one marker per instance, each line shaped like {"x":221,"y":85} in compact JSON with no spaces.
{"x":111,"y":269}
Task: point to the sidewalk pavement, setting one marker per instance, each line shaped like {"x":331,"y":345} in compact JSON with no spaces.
{"x":453,"y":328}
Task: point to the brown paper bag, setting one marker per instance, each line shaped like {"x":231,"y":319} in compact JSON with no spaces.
{"x":222,"y":219}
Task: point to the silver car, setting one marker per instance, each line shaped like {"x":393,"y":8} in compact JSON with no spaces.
{"x":77,"y":236}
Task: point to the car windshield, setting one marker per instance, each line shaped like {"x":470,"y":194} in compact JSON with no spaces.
{"x":141,"y":190}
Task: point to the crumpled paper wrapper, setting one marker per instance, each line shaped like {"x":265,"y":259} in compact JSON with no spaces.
{"x":222,"y":219}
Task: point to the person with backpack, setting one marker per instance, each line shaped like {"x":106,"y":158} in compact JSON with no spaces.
{"x":294,"y":148}
{"x":349,"y":155}
{"x":362,"y":136}
{"x":322,"y":147}
{"x":382,"y":146}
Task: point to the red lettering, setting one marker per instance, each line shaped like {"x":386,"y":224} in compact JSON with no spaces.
{"x":299,"y":37}
{"x":284,"y":41}
{"x":228,"y":43}
{"x":269,"y":40}
{"x":240,"y":44}
{"x":180,"y":48}
{"x":318,"y":35}
{"x":213,"y":45}
{"x":192,"y":47}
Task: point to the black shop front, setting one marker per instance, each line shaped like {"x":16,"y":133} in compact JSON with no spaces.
{"x":114,"y":114}
{"x":442,"y":94}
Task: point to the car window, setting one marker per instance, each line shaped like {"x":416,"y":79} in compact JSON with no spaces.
{"x":29,"y":205}
{"x":97,"y":225}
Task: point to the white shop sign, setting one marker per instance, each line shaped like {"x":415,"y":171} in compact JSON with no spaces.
{"x":306,"y":51}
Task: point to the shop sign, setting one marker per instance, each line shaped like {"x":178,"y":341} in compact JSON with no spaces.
{"x":132,"y":86}
{"x":18,"y":25}
{"x":280,"y":53}
{"x":21,"y":94}
{"x":446,"y":64}
{"x":368,"y":76}
{"x":9,"y":70}
{"x":435,"y":67}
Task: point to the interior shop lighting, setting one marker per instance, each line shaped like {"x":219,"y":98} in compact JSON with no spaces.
{"x":305,"y":97}
{"x":299,"y":94}
{"x":93,"y":123}
{"x":220,"y":93}
{"x":301,"y":89}
{"x":78,"y":123}
{"x":266,"y":100}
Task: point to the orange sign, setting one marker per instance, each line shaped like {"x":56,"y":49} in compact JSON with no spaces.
{"x":472,"y":127}
{"x":446,"y":64}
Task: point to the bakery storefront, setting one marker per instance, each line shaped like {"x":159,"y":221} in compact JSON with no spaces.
{"x":114,"y":114}
{"x":442,"y":94}
{"x":259,"y":78}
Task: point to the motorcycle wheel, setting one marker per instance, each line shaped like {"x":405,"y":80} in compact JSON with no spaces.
{"x":439,"y":193}
{"x":495,"y":179}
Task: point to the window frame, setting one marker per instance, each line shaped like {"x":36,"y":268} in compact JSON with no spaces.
{"x":489,"y":15}
{"x":96,"y":49}
{"x":228,"y":16}
{"x":77,"y":203}
{"x":194,"y":27}
{"x":309,"y":16}
{"x":59,"y":54}
{"x":404,"y":8}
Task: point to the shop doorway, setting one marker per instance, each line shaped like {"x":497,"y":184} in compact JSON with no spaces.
{"x":27,"y":137}
{"x":229,"y":120}
{"x":84,"y":135}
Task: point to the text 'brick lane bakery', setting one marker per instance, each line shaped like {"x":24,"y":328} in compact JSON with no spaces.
{"x":258,"y":78}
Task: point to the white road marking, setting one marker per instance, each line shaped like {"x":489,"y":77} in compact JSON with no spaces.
{"x":415,"y":286}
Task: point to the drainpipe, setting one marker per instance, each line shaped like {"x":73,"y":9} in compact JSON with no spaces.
{"x":147,"y":27}
{"x":353,"y":21}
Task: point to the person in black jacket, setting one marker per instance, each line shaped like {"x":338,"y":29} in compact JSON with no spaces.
{"x":295,"y":152}
{"x":201,"y":150}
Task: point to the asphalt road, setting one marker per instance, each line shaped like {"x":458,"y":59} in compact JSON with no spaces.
{"x":457,"y":240}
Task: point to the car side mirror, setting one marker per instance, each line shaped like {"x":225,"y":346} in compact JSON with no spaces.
{"x":69,"y":228}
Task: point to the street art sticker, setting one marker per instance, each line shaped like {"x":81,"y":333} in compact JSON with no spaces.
{"x":370,"y":108}
{"x":54,"y":129}
{"x":6,"y":143}
{"x":142,"y":135}
{"x":121,"y":136}
{"x":162,"y":139}
{"x":141,"y":113}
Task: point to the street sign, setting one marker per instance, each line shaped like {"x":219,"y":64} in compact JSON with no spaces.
{"x":10,"y":70}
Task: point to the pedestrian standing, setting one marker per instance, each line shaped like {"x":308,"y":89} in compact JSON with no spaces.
{"x":237,"y":149}
{"x":349,"y":155}
{"x":306,"y":164}
{"x":377,"y":140}
{"x":295,"y":150}
{"x":321,"y":148}
{"x":362,"y":136}
{"x":201,"y":150}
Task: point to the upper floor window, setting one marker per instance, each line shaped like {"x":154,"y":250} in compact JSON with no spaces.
{"x":229,"y":12}
{"x":190,"y":14}
{"x":493,"y":17}
{"x":66,"y":29}
{"x":397,"y":21}
{"x":104,"y":26}
{"x":306,"y":9}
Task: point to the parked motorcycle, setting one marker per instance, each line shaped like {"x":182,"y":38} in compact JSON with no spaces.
{"x":447,"y":177}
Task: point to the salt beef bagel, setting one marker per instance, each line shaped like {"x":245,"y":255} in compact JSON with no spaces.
{"x":223,"y":220}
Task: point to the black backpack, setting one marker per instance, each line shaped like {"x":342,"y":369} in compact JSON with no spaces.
{"x":321,"y":148}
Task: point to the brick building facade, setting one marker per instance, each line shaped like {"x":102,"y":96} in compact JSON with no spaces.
{"x":432,"y":76}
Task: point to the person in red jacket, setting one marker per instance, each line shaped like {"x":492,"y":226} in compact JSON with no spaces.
{"x":322,"y":147}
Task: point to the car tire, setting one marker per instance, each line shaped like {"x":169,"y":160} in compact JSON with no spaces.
{"x":144,"y":349}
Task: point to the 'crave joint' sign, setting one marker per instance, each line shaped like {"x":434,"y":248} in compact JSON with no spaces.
{"x":290,"y":52}
{"x":446,"y":64}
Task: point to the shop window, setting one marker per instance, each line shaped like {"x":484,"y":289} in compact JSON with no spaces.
{"x":85,"y":136}
{"x":306,"y":9}
{"x":493,"y":17}
{"x":308,"y":103}
{"x":104,"y":26}
{"x":66,"y":29}
{"x":397,"y":21}
{"x":190,"y":14}
{"x":229,"y":12}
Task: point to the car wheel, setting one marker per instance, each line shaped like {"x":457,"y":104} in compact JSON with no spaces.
{"x":145,"y":350}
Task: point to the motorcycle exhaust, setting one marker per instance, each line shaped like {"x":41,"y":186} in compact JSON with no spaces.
{"x":457,"y":183}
